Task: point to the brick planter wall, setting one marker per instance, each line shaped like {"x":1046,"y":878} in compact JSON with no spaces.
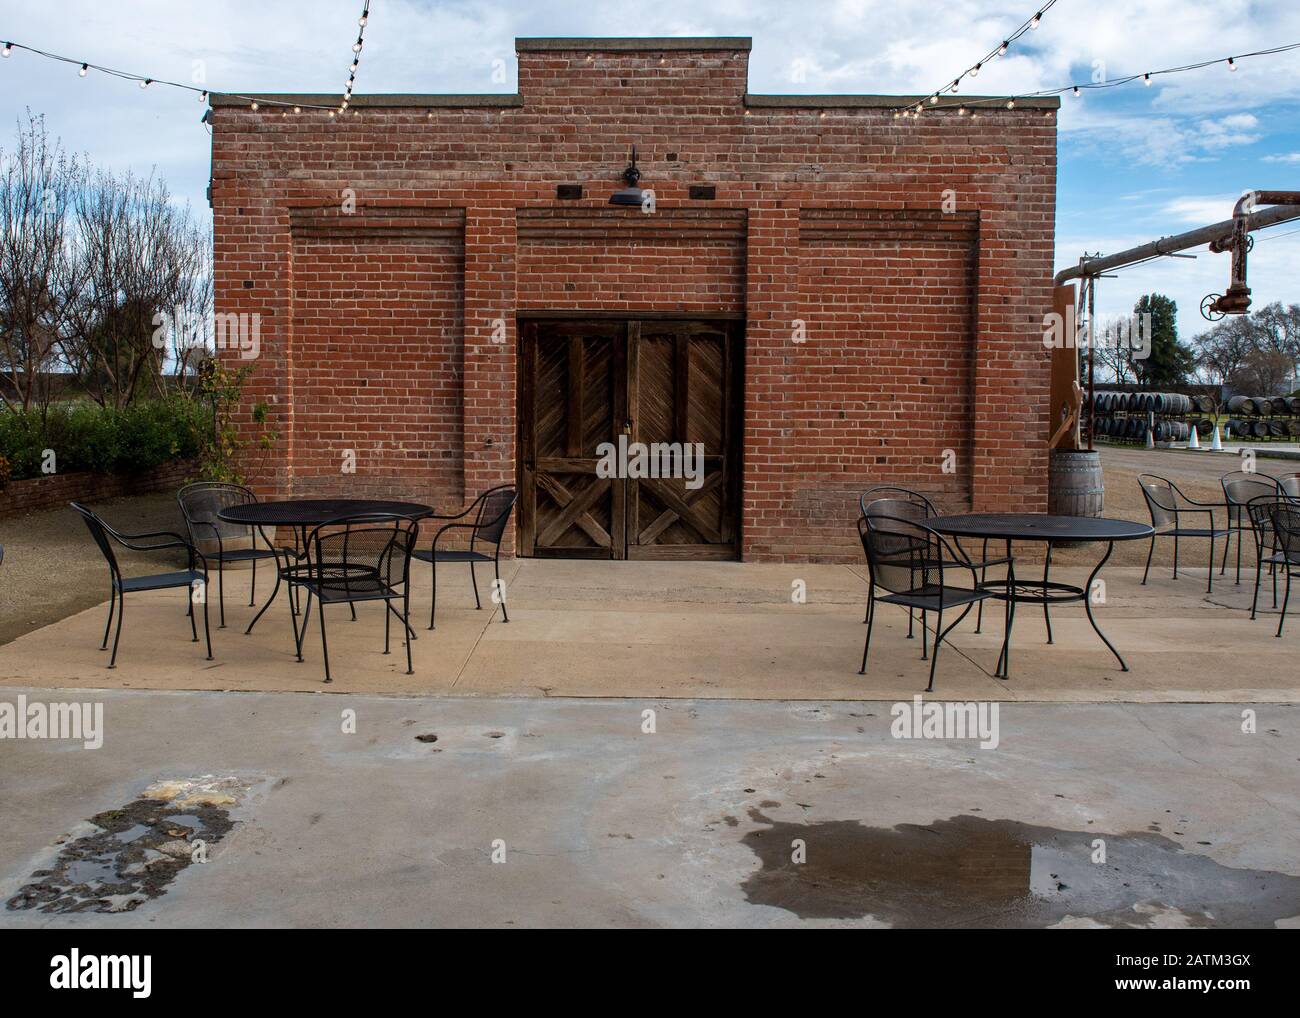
{"x":922,"y":321}
{"x":56,"y":490}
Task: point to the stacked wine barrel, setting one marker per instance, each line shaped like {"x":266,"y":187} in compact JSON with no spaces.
{"x":1171,"y":416}
{"x":1264,"y":417}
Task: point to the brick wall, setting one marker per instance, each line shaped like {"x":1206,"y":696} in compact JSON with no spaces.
{"x":390,"y":330}
{"x":54,"y":490}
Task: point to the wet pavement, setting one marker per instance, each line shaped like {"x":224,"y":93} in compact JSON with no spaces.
{"x":268,"y":809}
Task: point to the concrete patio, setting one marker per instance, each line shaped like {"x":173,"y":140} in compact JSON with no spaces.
{"x":695,"y":630}
{"x":457,"y":811}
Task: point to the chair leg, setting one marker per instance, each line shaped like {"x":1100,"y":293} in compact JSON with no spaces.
{"x":1238,"y":558}
{"x":1209,"y":579}
{"x":1259,"y":568}
{"x":500,"y":589}
{"x":406,"y":625}
{"x":1223,"y":568}
{"x":1047,"y":616}
{"x":207,"y":632}
{"x":1176,"y":555}
{"x":121,"y":610}
{"x":221,"y":592}
{"x":871,"y":618}
{"x":1150,"y":551}
{"x":910,"y":618}
{"x":324,"y":645}
{"x":252,"y":590}
{"x":112,"y":603}
{"x":934,"y":658}
{"x":1286,"y":596}
{"x":189,"y":593}
{"x":433,"y":591}
{"x":984,"y":575}
{"x":387,"y":612}
{"x":939,"y":634}
{"x":474,"y":580}
{"x":925,"y":636}
{"x":299,"y":635}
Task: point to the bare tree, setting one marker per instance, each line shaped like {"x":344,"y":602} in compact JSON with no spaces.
{"x":1258,"y":352}
{"x":141,"y":259}
{"x":38,"y":184}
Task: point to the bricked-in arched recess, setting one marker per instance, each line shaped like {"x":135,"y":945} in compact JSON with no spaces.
{"x":391,"y":330}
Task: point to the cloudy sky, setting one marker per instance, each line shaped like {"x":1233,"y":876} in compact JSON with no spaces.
{"x":1136,"y":162}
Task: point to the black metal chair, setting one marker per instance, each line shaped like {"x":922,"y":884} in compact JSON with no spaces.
{"x":1286,"y":528}
{"x":357,"y":558}
{"x":105,"y":535}
{"x":1259,"y":511}
{"x":1167,"y":505}
{"x":891,"y":500}
{"x":909,"y":561}
{"x":491,"y":513}
{"x":200,"y":503}
{"x":1239,"y":487}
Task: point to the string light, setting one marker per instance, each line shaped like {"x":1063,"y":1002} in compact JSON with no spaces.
{"x":84,"y":67}
{"x":356,"y":56}
{"x":1147,"y":78}
{"x":974,"y":69}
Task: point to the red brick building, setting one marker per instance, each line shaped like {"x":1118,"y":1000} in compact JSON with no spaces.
{"x":823,"y":295}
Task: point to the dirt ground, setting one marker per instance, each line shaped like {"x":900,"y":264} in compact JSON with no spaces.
{"x":52,"y":569}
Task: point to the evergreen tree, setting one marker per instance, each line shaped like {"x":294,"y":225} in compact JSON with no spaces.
{"x":1169,"y":362}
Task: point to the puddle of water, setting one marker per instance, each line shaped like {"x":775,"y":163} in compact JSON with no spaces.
{"x":970,"y":871}
{"x":133,"y":857}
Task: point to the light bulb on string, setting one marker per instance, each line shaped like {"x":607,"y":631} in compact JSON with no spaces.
{"x":1033,"y":22}
{"x":146,"y":82}
{"x":85,"y":69}
{"x":1011,"y":104}
{"x":1004,"y":47}
{"x":1232,"y":64}
{"x":975,"y":71}
{"x":9,"y":48}
{"x":1146,"y":79}
{"x":1075,"y":90}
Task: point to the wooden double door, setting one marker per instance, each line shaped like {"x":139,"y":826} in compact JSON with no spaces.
{"x":659,"y":385}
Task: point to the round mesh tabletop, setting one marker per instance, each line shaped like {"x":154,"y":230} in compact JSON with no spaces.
{"x":308,"y":512}
{"x":1038,"y":527}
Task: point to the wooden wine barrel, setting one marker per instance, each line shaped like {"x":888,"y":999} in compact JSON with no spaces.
{"x":1074,"y":483}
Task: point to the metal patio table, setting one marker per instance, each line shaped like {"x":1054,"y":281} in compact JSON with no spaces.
{"x":301,"y":515}
{"x":1047,"y":529}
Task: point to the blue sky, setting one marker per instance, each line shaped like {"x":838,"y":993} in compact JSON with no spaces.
{"x":1136,"y":162}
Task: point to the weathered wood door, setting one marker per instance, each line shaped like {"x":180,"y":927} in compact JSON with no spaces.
{"x":659,"y":385}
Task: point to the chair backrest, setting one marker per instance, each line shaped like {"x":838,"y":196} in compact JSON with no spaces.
{"x":897,"y":501}
{"x":1259,"y":513}
{"x":902,"y":554}
{"x":352,"y":551}
{"x":1286,"y":528}
{"x":1161,"y":499}
{"x":100,"y":531}
{"x":201,"y":502}
{"x":494,"y":508}
{"x":1240,"y":486}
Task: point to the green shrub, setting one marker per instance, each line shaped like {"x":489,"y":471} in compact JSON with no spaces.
{"x":86,"y":436}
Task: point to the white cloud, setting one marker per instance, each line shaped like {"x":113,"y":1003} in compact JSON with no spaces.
{"x":1284,"y":157}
